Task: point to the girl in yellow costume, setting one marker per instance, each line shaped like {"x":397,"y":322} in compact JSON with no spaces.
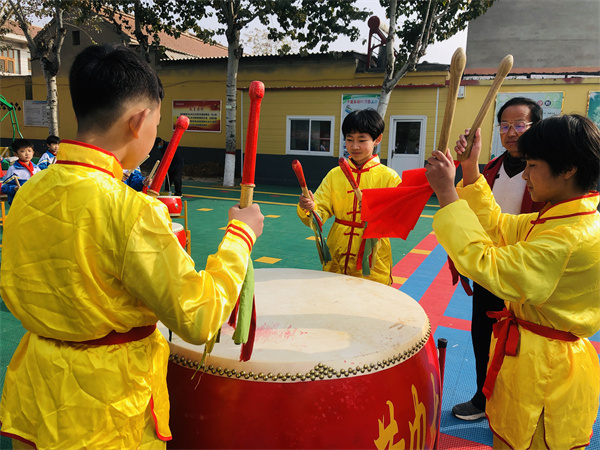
{"x":543,"y":378}
{"x":90,"y":265}
{"x":335,"y":198}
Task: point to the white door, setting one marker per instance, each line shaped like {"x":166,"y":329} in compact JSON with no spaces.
{"x":406,"y":142}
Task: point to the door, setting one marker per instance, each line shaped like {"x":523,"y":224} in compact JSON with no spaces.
{"x":407,"y":142}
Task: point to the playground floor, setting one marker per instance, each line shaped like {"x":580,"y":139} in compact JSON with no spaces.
{"x":420,"y":270}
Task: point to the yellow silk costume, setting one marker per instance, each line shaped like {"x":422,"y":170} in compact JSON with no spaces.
{"x":83,"y":255}
{"x":335,"y":198}
{"x":547,"y":270}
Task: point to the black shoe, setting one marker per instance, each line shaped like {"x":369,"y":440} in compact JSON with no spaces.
{"x":468,"y":411}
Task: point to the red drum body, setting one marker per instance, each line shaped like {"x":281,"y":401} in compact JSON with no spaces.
{"x":179,"y":231}
{"x":338,"y":362}
{"x":174,"y":204}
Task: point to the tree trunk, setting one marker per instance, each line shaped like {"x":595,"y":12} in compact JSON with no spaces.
{"x":233,"y":60}
{"x":51,"y":102}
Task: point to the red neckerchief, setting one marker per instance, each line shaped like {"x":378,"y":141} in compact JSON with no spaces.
{"x":28,"y":165}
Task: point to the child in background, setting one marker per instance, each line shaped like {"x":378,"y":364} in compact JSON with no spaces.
{"x":363,"y":131}
{"x":49,"y":157}
{"x":22,"y":168}
{"x":89,"y":266}
{"x":135,"y":179}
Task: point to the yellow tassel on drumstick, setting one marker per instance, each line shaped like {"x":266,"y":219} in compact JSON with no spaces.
{"x":503,"y":70}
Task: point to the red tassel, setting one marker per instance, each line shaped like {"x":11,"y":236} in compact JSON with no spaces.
{"x":233,"y":317}
{"x":359,"y":257}
{"x":246,"y":352}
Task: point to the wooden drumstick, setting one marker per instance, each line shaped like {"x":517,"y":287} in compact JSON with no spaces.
{"x":503,"y":70}
{"x":457,"y":67}
{"x":348,"y":172}
{"x":256,"y":93}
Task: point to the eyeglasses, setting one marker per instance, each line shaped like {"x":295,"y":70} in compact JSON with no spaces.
{"x":520,"y":126}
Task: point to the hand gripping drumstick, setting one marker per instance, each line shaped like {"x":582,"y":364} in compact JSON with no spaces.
{"x":503,"y":70}
{"x":256,"y":92}
{"x":348,"y":172}
{"x":182,"y":124}
{"x":457,"y":67}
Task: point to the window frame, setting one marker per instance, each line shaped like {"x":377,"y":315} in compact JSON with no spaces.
{"x":288,"y":137}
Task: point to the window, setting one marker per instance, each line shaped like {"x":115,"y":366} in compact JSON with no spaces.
{"x":310,"y":134}
{"x":76,"y":38}
{"x":8,"y":62}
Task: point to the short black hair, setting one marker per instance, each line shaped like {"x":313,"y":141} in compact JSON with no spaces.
{"x":364,"y":121}
{"x":536,"y":113}
{"x":565,"y":142}
{"x":52,"y":140}
{"x":18,"y":144}
{"x":103,"y":78}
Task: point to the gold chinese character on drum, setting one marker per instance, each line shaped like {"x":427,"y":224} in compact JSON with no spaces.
{"x":338,"y":362}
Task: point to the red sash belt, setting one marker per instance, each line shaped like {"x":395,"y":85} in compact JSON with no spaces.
{"x":349,"y":223}
{"x":114,"y":338}
{"x":507,"y":333}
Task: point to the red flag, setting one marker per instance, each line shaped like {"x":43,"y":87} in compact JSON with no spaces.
{"x":394,"y":212}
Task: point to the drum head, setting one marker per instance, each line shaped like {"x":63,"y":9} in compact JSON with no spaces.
{"x":306,"y":318}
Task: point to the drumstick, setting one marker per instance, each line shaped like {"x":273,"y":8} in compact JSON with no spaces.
{"x":348,"y":172}
{"x":182,"y":124}
{"x":297,"y":167}
{"x":256,"y":92}
{"x":503,"y":70}
{"x":151,"y":176}
{"x":457,"y":67}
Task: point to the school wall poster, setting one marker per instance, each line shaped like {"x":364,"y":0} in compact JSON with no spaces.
{"x":204,"y":115}
{"x":593,"y":107}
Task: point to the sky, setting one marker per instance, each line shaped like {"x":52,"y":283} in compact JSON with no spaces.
{"x":437,"y":53}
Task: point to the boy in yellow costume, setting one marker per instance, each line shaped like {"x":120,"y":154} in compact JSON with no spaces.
{"x":363,"y":131}
{"x":90,"y":265}
{"x":543,"y":378}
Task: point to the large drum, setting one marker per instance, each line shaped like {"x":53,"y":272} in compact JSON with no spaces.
{"x":338,"y":362}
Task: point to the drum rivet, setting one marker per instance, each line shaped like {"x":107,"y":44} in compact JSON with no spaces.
{"x":211,"y":367}
{"x":189,"y":361}
{"x":298,"y":375}
{"x":288,"y":375}
{"x":284,"y":378}
{"x":265,"y":378}
{"x":196,"y":363}
{"x":256,"y":377}
{"x":312,"y":378}
{"x":261,"y":374}
{"x":320,"y":365}
{"x":270,"y":375}
{"x":312,"y":371}
{"x":233,"y":371}
{"x":237,"y":375}
{"x":303,"y":377}
{"x":321,"y":376}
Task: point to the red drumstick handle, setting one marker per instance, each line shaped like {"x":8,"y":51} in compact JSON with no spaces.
{"x":256,"y":92}
{"x":300,"y":175}
{"x":348,"y":172}
{"x":182,"y":124}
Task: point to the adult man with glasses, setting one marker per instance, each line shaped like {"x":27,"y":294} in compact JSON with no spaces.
{"x":503,"y":174}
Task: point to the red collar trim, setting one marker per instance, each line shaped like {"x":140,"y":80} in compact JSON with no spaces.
{"x":91,"y":166}
{"x":544,"y":220}
{"x":93,"y":147}
{"x":362,"y":168}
